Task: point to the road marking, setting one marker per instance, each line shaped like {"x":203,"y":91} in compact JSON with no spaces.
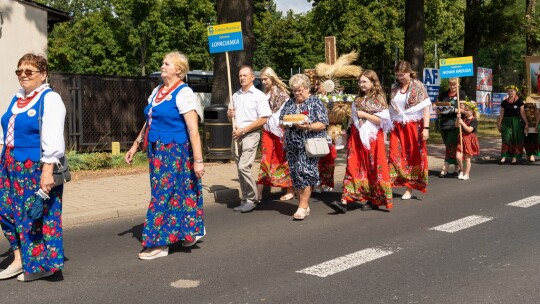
{"x":185,"y":284}
{"x":345,"y":262}
{"x":463,"y":223}
{"x":526,"y":202}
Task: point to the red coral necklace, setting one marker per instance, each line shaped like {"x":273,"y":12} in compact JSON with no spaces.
{"x":161,"y":95}
{"x":23,"y":102}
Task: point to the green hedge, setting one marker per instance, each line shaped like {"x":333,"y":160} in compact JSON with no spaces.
{"x":96,"y":161}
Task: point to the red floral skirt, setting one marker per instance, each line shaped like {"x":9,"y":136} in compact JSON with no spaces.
{"x":274,"y":169}
{"x":367,"y":176}
{"x":327,"y":165}
{"x":408,"y":156}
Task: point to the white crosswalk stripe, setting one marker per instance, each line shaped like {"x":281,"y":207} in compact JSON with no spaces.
{"x":526,"y":202}
{"x":463,"y":223}
{"x":345,"y":262}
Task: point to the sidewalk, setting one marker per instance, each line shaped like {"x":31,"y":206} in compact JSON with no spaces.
{"x":111,"y":197}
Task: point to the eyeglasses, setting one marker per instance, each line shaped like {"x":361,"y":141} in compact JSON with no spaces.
{"x":26,"y":72}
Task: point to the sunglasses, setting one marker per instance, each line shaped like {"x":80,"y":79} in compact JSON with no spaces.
{"x":26,"y":72}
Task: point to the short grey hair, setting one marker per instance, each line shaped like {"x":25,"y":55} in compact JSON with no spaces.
{"x":299,"y":80}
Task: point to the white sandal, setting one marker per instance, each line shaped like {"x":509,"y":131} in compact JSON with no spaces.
{"x":301,"y":213}
{"x":154,"y":252}
{"x":287,"y":197}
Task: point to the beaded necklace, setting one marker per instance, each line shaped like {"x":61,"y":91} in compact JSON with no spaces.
{"x":24,"y":101}
{"x":161,"y":95}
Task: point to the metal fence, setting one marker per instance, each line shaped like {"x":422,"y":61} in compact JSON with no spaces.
{"x":102,"y":109}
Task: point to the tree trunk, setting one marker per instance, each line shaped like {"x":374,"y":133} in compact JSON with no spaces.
{"x":530,"y":16}
{"x":471,"y":42}
{"x":414,"y":34}
{"x":233,"y":11}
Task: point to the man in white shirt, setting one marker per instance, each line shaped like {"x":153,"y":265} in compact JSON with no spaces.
{"x":251,"y":110}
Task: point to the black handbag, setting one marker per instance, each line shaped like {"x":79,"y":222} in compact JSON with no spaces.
{"x":61,"y":172}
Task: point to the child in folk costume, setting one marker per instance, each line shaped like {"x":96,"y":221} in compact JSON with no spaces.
{"x":469,"y":124}
{"x":367,"y":176}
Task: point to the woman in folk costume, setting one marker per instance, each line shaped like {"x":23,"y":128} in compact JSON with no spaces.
{"x":367,"y":177}
{"x":274,"y":169}
{"x":410,"y":110}
{"x":512,"y":124}
{"x":175,"y":159}
{"x":33,"y":129}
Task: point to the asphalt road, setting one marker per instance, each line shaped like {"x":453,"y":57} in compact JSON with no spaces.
{"x":375,"y":256}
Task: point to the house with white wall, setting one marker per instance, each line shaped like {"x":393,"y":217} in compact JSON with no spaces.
{"x":23,"y":28}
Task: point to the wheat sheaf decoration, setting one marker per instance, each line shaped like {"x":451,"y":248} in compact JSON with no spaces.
{"x":341,"y":69}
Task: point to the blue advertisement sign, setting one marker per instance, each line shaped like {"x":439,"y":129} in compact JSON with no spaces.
{"x":225,"y":37}
{"x":456,"y":67}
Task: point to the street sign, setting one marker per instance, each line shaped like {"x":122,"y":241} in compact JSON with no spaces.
{"x":456,"y":67}
{"x":225,"y":37}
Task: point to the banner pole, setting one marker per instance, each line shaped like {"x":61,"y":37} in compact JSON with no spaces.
{"x":459,"y":113}
{"x":231,"y":106}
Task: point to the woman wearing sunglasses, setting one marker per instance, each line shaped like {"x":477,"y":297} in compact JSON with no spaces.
{"x":26,"y":166}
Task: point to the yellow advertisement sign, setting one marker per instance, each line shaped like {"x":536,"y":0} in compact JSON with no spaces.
{"x":226,"y":28}
{"x":456,"y":61}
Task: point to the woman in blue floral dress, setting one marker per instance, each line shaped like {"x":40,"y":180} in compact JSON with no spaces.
{"x":172,"y":139}
{"x":26,"y":166}
{"x":303,"y":169}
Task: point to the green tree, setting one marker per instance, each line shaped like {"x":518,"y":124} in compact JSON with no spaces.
{"x":227,"y":12}
{"x":129,"y":37}
{"x":445,"y":28}
{"x":373,"y":28}
{"x":414,"y":33}
{"x":491,"y":24}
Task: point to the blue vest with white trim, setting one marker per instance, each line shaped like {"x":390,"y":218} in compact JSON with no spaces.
{"x":26,"y":132}
{"x":168,"y":124}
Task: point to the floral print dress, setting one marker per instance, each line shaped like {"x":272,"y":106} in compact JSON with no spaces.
{"x":40,"y":241}
{"x":175,"y":211}
{"x":303,"y":169}
{"x":176,"y":207}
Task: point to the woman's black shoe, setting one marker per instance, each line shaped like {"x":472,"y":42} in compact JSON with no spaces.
{"x":339,"y":206}
{"x":368,"y":206}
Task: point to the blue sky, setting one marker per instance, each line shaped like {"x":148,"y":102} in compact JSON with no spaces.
{"x":298,"y":6}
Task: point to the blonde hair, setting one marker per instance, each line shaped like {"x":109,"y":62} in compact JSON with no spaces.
{"x":180,"y":61}
{"x":269,"y":72}
{"x":454,"y":80}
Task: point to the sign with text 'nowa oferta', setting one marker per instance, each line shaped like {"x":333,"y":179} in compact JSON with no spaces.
{"x":225,"y":37}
